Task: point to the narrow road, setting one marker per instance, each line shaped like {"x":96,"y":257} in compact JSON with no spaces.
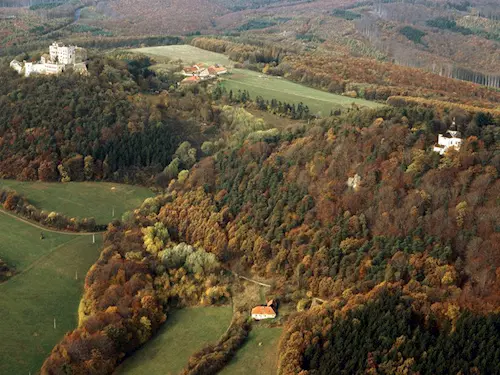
{"x":41,"y":227}
{"x":253,"y":281}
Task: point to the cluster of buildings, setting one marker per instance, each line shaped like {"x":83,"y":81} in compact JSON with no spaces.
{"x":200,"y":72}
{"x":59,"y":58}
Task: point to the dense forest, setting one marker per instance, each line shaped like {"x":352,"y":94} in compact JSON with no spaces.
{"x":103,"y":125}
{"x":339,"y":210}
{"x":386,"y":335}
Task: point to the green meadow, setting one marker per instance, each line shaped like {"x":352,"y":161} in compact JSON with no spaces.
{"x":185,"y":332}
{"x":48,"y":285}
{"x":269,"y":87}
{"x":259,"y":353}
{"x":82,"y":199}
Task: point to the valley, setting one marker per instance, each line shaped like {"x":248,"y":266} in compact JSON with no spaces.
{"x":249,"y":186}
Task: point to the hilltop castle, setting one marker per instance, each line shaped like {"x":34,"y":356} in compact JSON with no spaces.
{"x":60,"y":57}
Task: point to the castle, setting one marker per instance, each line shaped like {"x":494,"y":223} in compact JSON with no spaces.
{"x":59,"y":58}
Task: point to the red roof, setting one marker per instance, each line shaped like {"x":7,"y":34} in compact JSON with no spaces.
{"x":193,"y":79}
{"x":263,"y":310}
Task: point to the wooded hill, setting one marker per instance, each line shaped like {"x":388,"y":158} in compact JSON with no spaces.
{"x":93,"y":127}
{"x":349,"y":209}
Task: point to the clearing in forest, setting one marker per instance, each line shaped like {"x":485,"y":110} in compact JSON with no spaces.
{"x":188,"y":54}
{"x":82,"y":199}
{"x":185,"y":332}
{"x":270,"y":87}
{"x":259,"y":353}
{"x":48,"y":285}
{"x":259,"y":84}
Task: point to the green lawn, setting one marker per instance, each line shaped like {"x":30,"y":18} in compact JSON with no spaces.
{"x":269,"y":87}
{"x":46,"y":288}
{"x":253,"y":358}
{"x":185,"y":332}
{"x":82,"y":199}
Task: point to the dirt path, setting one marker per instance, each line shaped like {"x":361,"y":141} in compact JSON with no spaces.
{"x":253,"y":281}
{"x":45,"y":229}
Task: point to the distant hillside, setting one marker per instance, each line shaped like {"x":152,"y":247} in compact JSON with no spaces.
{"x":457,"y":39}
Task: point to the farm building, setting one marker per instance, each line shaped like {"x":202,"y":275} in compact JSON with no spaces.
{"x":264,"y":312}
{"x":202,"y":72}
{"x":190,"y":80}
{"x":217,"y":70}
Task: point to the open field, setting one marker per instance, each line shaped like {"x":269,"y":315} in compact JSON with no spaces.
{"x":45,"y":289}
{"x":184,"y":332}
{"x":82,"y":199}
{"x":269,"y":87}
{"x":186,"y":53}
{"x":259,"y":354}
{"x":20,"y":243}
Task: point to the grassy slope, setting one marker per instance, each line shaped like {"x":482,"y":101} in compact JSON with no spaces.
{"x":319,"y":102}
{"x":45,"y":289}
{"x":260,"y":359}
{"x":186,"y":53}
{"x":257,"y":83}
{"x":20,"y":243}
{"x":184,"y":332}
{"x":82,"y":199}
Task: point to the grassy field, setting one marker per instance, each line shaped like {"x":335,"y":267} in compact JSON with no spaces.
{"x":269,"y":87}
{"x":259,"y":354}
{"x":82,"y":199}
{"x":186,"y":53}
{"x":45,"y":289}
{"x":184,"y":332}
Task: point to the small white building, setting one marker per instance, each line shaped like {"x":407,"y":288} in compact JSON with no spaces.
{"x":450,"y":140}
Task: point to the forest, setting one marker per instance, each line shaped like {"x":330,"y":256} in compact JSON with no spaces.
{"x":355,"y":209}
{"x":103,"y":125}
{"x":337,"y":208}
{"x":386,"y":335}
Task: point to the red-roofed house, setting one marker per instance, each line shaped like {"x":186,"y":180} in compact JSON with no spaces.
{"x":263,"y":312}
{"x":189,"y":71}
{"x":217,"y":70}
{"x":190,"y":80}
